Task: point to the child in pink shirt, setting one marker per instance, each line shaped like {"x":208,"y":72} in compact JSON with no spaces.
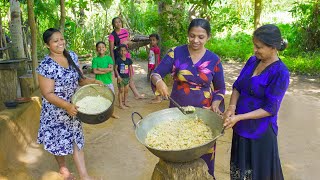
{"x":117,"y":37}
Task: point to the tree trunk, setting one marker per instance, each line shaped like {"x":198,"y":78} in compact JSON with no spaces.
{"x":16,"y":31}
{"x":173,"y":14}
{"x":196,"y":169}
{"x":161,"y":5}
{"x":62,"y":16}
{"x":8,"y":86}
{"x":257,"y":13}
{"x":3,"y":44}
{"x":33,"y":29}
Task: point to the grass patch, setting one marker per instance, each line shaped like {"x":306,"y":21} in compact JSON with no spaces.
{"x":307,"y":65}
{"x":238,"y":47}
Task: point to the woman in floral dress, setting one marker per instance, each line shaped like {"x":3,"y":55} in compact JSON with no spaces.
{"x":60,"y":131}
{"x":194,"y":69}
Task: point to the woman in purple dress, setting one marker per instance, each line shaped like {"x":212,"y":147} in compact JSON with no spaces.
{"x":194,"y":69}
{"x":253,"y":109}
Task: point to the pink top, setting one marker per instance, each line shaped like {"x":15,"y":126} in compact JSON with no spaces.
{"x":124,"y":36}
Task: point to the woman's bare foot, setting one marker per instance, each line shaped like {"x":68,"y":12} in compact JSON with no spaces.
{"x":89,"y":178}
{"x":126,"y":104}
{"x":115,"y":116}
{"x":155,"y":101}
{"x":142,"y":96}
{"x":122,"y":107}
{"x":66,"y":174}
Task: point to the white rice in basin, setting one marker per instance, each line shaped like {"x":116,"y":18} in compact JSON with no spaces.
{"x":179,"y":134}
{"x":93,"y":104}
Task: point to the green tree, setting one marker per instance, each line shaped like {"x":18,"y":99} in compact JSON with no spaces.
{"x":257,"y":12}
{"x":308,"y":25}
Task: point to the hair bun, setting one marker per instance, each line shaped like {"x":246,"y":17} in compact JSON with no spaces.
{"x":283,"y":45}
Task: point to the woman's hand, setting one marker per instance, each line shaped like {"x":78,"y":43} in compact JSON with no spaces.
{"x":98,"y":82}
{"x":215,"y":107}
{"x":119,"y":80}
{"x":228,"y":113}
{"x":162,"y":88}
{"x":230,"y":121}
{"x":71,"y":109}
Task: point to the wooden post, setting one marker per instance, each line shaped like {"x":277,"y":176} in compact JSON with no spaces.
{"x":193,"y":170}
{"x":10,"y":70}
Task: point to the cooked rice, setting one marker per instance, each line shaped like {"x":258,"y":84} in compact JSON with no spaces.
{"x":93,"y":104}
{"x":179,"y":134}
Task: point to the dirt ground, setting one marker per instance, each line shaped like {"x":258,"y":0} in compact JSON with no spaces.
{"x":113,"y":152}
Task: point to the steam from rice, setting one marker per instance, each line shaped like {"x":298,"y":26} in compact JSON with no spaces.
{"x":93,"y":104}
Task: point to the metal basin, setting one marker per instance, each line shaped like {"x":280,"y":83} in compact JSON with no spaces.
{"x":94,"y":90}
{"x":147,"y":123}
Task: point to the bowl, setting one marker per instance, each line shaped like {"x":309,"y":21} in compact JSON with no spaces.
{"x":94,"y":90}
{"x":11,"y":103}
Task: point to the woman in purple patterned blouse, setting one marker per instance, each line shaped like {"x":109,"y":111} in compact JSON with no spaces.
{"x":253,"y":109}
{"x":194,"y":69}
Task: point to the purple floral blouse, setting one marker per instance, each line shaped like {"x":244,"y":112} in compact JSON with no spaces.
{"x":192,"y":81}
{"x":265,"y":91}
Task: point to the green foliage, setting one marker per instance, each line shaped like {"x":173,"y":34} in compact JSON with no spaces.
{"x":308,"y":64}
{"x":307,"y":27}
{"x":231,"y":21}
{"x":238,"y":46}
{"x":143,"y":17}
{"x":225,"y":18}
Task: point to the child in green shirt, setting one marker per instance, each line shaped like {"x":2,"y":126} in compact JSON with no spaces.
{"x":102,"y":66}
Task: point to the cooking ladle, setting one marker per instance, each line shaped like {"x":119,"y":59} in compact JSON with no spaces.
{"x":184,"y":110}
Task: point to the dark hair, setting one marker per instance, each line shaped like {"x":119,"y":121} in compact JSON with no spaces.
{"x":154,"y":35}
{"x":46,"y":36}
{"x":100,"y":42}
{"x":121,"y":46}
{"x":114,"y":21}
{"x":270,"y":35}
{"x":199,"y":22}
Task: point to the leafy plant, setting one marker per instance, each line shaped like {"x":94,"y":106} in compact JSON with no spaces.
{"x":238,"y":46}
{"x":308,"y":25}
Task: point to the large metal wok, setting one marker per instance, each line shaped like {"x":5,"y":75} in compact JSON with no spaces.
{"x":147,"y":123}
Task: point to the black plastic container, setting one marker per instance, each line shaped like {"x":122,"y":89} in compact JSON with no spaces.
{"x":11,"y":103}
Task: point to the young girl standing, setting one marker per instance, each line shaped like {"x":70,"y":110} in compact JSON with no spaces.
{"x":124,"y":76}
{"x":154,"y":60}
{"x":121,"y":36}
{"x":102,"y":66}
